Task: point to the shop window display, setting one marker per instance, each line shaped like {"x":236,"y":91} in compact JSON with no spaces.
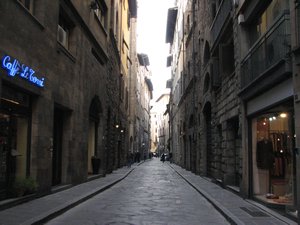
{"x":272,"y":144}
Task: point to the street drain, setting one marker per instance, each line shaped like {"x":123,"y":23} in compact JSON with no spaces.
{"x":254,"y":212}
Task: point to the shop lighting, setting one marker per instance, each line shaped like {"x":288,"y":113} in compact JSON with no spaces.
{"x":11,"y":101}
{"x":270,"y":118}
{"x":117,"y":125}
{"x":283,"y":115}
{"x":122,"y":131}
{"x":281,"y":151}
{"x":274,"y":117}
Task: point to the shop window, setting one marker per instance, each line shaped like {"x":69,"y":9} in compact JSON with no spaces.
{"x":273,"y":141}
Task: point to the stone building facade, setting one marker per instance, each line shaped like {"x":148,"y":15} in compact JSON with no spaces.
{"x":60,"y":66}
{"x":234,"y":92}
{"x":160,"y":129}
{"x":140,"y":96}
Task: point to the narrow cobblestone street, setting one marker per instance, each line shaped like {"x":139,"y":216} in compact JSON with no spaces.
{"x":152,"y":194}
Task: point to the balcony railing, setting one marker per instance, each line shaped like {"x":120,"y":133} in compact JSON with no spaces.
{"x":220,"y":19}
{"x":269,"y":50}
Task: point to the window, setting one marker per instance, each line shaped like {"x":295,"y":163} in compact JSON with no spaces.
{"x":37,"y":9}
{"x":28,"y":4}
{"x":227,"y":58}
{"x":64,"y":29}
{"x":128,"y":19}
{"x":121,"y":87}
{"x":213,"y":10}
{"x":100,"y":11}
{"x":206,"y":83}
{"x":206,"y":56}
{"x":267,"y":18}
{"x":188,"y":24}
{"x":126,"y":99}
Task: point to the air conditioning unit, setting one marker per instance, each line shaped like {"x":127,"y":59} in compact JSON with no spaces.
{"x":241,"y":19}
{"x":62,"y":36}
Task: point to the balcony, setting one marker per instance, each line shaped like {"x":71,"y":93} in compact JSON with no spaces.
{"x":271,"y":49}
{"x":220,"y":19}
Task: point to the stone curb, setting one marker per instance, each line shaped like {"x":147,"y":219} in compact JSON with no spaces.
{"x":232,"y":219}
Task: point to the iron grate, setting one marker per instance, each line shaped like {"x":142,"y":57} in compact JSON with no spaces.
{"x":254,"y":212}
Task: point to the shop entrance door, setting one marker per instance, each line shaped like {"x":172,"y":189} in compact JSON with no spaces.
{"x":13,"y":150}
{"x":57,"y":146}
{"x":14,"y":135}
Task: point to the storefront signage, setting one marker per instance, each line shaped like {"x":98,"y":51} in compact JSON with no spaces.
{"x":14,"y":67}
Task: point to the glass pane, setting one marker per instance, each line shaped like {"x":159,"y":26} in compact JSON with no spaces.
{"x":272,"y":140}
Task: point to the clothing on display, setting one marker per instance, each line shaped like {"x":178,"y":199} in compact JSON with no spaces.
{"x":264,"y":154}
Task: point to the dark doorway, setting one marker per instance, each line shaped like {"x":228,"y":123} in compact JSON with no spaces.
{"x":14,"y":138}
{"x":207,"y":114}
{"x":119,"y":153}
{"x":6,"y":161}
{"x":57,"y":146}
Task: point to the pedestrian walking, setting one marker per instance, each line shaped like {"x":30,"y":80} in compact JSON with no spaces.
{"x":128,"y":160}
{"x":163,"y":158}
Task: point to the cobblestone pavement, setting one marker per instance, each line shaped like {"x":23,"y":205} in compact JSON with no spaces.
{"x":152,"y":194}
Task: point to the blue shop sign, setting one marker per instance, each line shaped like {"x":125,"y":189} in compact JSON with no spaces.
{"x":14,"y":67}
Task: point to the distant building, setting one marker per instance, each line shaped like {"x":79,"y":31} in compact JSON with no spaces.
{"x":160,"y":125}
{"x":140,"y":97}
